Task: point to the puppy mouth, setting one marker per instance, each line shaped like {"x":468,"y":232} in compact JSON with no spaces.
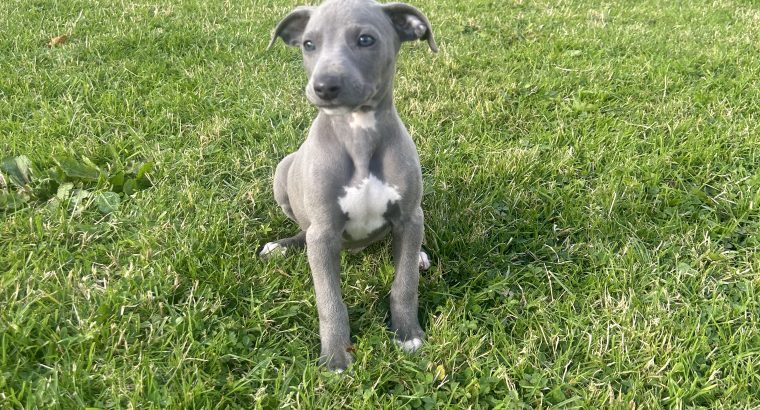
{"x":338,"y":109}
{"x":362,"y":101}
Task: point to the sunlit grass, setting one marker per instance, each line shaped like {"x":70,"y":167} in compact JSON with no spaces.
{"x":592,"y":184}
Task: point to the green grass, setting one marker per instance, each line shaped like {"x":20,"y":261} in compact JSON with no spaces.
{"x":592,"y":201}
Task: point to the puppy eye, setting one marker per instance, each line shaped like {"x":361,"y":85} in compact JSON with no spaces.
{"x":308,"y":45}
{"x":365,"y":40}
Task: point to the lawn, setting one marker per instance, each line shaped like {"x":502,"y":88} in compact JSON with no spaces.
{"x":592,"y":199}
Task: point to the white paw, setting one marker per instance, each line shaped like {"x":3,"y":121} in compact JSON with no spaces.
{"x":409,"y":346}
{"x":424,"y":262}
{"x":272,"y":249}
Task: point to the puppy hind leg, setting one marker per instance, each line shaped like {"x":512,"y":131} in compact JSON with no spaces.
{"x":280,"y":247}
{"x":281,"y":185}
{"x":297,"y":241}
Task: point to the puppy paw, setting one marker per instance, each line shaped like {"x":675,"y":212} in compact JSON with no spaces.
{"x":409,"y":337}
{"x":272,"y":249}
{"x":409,"y":346}
{"x":424,"y":261}
{"x":336,"y":360}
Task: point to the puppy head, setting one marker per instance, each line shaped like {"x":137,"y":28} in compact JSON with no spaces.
{"x":349,"y":49}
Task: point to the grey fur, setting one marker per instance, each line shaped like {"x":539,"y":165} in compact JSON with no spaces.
{"x":357,"y":150}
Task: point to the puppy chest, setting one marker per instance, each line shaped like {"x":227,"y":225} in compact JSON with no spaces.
{"x":365,"y":204}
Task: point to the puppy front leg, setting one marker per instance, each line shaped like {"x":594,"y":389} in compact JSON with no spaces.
{"x":323,"y":245}
{"x":407,"y":240}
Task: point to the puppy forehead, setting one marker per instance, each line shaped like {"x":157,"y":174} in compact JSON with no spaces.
{"x":338,"y":14}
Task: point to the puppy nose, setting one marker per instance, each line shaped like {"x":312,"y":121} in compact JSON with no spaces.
{"x":327,"y":90}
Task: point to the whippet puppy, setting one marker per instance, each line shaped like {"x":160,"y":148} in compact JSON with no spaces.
{"x":357,"y":175}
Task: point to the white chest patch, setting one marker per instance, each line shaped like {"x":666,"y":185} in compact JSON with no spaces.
{"x":365,"y":205}
{"x":363,"y":121}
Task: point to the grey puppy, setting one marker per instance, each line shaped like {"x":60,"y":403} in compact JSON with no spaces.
{"x":357,"y":176}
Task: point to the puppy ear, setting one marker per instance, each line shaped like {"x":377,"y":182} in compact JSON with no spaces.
{"x":410,"y":23}
{"x":291,"y":28}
